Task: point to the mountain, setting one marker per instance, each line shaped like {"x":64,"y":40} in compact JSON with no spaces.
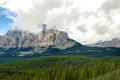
{"x":15,"y":38}
{"x":112,"y":43}
{"x":53,"y":42}
{"x":21,"y":43}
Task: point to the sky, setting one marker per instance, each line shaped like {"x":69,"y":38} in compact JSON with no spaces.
{"x":4,"y":22}
{"x":86,"y":21}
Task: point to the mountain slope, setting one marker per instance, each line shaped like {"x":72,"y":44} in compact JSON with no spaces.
{"x":16,"y":38}
{"x":21,"y":43}
{"x":112,"y":43}
{"x":78,"y":49}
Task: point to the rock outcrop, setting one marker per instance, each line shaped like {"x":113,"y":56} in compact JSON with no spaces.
{"x":16,"y":38}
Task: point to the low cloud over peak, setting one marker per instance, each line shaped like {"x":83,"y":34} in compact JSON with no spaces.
{"x":81,"y":19}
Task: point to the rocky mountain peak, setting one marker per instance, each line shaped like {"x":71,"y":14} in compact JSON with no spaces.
{"x":17,"y":38}
{"x":17,"y":33}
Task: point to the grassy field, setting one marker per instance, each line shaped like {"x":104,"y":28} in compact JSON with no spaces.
{"x":62,"y":68}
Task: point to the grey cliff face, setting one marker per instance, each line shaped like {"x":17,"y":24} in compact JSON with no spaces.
{"x":16,"y":38}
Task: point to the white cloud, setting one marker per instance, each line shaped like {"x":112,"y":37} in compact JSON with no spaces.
{"x":88,"y":5}
{"x":111,"y":5}
{"x":85,"y":20}
{"x":3,"y":2}
{"x":16,"y":5}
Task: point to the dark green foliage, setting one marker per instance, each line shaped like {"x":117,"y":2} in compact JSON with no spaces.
{"x":81,"y":50}
{"x":11,"y":59}
{"x":77,"y":49}
{"x":8,"y":52}
{"x":14,"y":59}
{"x":62,"y":68}
{"x":92,"y":51}
{"x":115,"y":75}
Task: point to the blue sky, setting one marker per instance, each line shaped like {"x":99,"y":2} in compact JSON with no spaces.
{"x":5,"y":21}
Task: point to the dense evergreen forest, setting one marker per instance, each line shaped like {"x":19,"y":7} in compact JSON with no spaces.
{"x":62,"y":68}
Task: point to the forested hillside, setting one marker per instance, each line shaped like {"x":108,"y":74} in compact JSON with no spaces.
{"x":62,"y":68}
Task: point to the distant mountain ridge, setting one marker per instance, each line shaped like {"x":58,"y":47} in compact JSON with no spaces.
{"x":112,"y":43}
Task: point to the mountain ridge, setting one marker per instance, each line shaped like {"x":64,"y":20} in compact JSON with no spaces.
{"x":29,"y":44}
{"x":21,"y":43}
{"x":17,"y":38}
{"x":115,"y":42}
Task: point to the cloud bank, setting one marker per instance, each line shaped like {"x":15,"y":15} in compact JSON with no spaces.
{"x":86,"y":21}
